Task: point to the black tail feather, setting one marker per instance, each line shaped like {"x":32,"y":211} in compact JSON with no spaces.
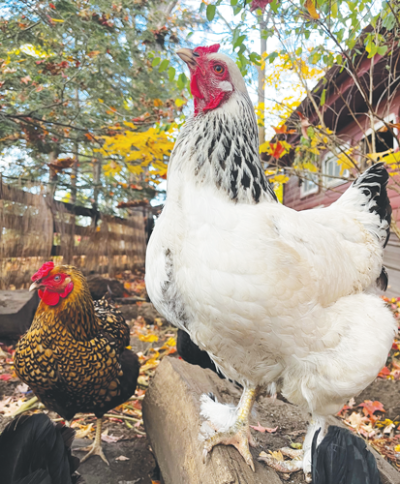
{"x":32,"y":444}
{"x":342,"y":458}
{"x":373,"y":184}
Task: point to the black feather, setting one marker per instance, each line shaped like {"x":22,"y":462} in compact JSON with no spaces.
{"x":342,"y":458}
{"x":383,"y":280}
{"x":38,"y":477}
{"x":191,"y":353}
{"x":373,"y":183}
{"x":35,"y":451}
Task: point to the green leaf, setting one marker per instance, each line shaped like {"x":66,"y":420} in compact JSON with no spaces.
{"x":338,"y":59}
{"x":164,"y":65}
{"x":274,"y":6}
{"x":382,"y":49}
{"x":234,"y":3}
{"x":299,"y":50}
{"x":271,"y":57}
{"x":210,"y":13}
{"x":181,"y":81}
{"x":239,"y":41}
{"x":189,"y":34}
{"x":255,"y":58}
{"x":310,"y":132}
{"x":334,"y":9}
{"x":323,"y":98}
{"x":171,"y":74}
{"x":156,"y":61}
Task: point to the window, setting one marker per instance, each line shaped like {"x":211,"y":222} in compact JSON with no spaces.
{"x":309,"y":185}
{"x":331,"y":169}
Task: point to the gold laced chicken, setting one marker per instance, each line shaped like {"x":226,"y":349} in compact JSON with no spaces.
{"x":74,"y":356}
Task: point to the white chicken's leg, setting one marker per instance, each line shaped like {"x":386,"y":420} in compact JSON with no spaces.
{"x":95,"y":448}
{"x":238,"y":434}
{"x":301,"y":459}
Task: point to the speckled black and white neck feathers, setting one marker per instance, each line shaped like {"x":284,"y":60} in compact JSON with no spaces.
{"x":220,"y":148}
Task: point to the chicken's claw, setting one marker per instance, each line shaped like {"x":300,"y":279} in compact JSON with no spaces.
{"x":241,"y":439}
{"x":280,"y":465}
{"x":94,"y":449}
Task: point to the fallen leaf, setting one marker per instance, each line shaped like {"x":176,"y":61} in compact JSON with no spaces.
{"x":110,"y":438}
{"x":389,"y":428}
{"x":370,"y":407}
{"x":356,"y":420}
{"x":23,"y":388}
{"x":277,"y":454}
{"x":261,"y":429}
{"x":384,"y":372}
{"x":26,"y":79}
{"x":122,"y":458}
{"x":5,"y":376}
{"x":367,"y":431}
{"x":149,"y":338}
{"x":83,"y":430}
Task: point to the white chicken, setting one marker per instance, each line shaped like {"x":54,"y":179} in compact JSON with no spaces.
{"x":277,"y":298}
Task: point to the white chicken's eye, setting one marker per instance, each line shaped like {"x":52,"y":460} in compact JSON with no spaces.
{"x":218,"y":69}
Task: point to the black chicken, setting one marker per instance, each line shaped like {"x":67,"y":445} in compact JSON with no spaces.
{"x":342,"y":458}
{"x":33,"y":450}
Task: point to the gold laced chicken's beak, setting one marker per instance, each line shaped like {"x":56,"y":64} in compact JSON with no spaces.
{"x":35,"y":285}
{"x":187,"y":56}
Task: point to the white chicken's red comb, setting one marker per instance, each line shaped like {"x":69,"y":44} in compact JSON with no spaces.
{"x":207,"y":50}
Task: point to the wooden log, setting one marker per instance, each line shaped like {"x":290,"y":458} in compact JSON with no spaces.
{"x":171,"y":415}
{"x":17,"y":309}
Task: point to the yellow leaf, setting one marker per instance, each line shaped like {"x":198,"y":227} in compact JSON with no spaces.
{"x":100,"y":100}
{"x":280,"y":179}
{"x":345,"y":161}
{"x":171,"y":342}
{"x":57,"y":20}
{"x":179,"y":102}
{"x":277,"y":454}
{"x":392,"y":158}
{"x":310,"y":6}
{"x":264,"y":147}
{"x":157,"y":103}
{"x":149,"y":338}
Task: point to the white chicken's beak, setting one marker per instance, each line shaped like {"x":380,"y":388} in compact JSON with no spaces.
{"x":187,"y":55}
{"x":35,"y":285}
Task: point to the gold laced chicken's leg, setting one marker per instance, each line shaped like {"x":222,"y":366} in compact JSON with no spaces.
{"x":95,"y":448}
{"x":239,"y":434}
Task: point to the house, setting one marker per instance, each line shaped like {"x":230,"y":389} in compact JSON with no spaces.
{"x":345,"y":112}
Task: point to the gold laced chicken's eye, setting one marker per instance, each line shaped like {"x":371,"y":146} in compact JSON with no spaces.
{"x":218,"y":69}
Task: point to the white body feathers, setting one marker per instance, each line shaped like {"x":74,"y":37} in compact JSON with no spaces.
{"x":273,"y":295}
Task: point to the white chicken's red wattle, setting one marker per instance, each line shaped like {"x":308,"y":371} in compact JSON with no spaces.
{"x":277,"y":298}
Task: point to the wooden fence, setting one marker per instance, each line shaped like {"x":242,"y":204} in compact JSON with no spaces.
{"x":35,"y":229}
